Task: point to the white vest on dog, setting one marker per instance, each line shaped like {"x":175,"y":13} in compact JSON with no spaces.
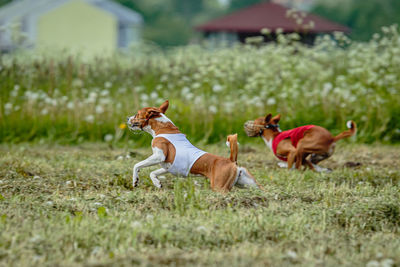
{"x":185,"y":156}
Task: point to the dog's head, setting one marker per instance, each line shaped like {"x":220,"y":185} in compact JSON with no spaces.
{"x":261,"y":124}
{"x":145,"y":115}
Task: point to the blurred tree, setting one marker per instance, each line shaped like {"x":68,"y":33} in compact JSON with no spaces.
{"x":3,"y":2}
{"x":363,"y":17}
{"x":170,"y":22}
{"x":238,"y":4}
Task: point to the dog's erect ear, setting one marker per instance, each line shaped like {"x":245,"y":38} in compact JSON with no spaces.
{"x":151,"y":113}
{"x":268,"y":118}
{"x":276,"y":119}
{"x":164,"y":106}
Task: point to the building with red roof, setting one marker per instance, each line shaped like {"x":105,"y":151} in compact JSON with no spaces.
{"x":249,"y":22}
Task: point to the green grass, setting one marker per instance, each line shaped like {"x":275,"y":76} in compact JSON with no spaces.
{"x":74,"y":205}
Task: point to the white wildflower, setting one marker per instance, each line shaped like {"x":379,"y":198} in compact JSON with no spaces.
{"x":387,"y":263}
{"x":99,"y":109}
{"x":8,"y":107}
{"x":217,"y":88}
{"x":291,"y":254}
{"x":120,"y":158}
{"x":265,"y":31}
{"x":212,"y":109}
{"x":154,"y":95}
{"x":122,"y":90}
{"x":77,"y":83}
{"x":96,"y":251}
{"x":70,"y":105}
{"x":196,"y":85}
{"x":201,"y":228}
{"x":44,"y":111}
{"x":271,"y":101}
{"x":136,"y":224}
{"x":144,"y":97}
{"x":107,"y":84}
{"x":89,"y":118}
{"x":92,"y":97}
{"x":104,"y":93}
{"x":105,"y":101}
{"x":185,"y":90}
{"x":108,"y":137}
{"x":373,"y":263}
{"x":97,"y":204}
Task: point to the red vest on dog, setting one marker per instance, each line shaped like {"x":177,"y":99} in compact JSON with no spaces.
{"x":295,"y":135}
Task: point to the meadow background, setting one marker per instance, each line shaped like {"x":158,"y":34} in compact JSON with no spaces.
{"x":63,"y":98}
{"x":66,"y":156}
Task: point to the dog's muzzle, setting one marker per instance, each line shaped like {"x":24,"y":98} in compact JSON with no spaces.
{"x":132,"y":125}
{"x":251,"y":129}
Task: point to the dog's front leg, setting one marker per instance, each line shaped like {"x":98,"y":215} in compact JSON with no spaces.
{"x":157,"y":157}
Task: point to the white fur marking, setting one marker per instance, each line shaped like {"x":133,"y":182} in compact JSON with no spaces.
{"x":348,"y":124}
{"x":164,"y":119}
{"x":148,"y":129}
{"x":268,"y":142}
{"x":245,"y":178}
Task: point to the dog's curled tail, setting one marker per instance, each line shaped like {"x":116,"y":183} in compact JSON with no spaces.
{"x":352,"y":130}
{"x":232,"y":143}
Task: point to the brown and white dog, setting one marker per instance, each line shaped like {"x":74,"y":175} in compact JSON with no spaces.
{"x":294,"y":146}
{"x":176,"y":155}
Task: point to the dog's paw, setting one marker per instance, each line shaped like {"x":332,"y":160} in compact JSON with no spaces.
{"x":135,"y":181}
{"x":321,"y":169}
{"x":282,"y":164}
{"x":157,"y":183}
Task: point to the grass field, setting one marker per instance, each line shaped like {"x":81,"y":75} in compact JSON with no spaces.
{"x":66,"y":156}
{"x":74,"y":205}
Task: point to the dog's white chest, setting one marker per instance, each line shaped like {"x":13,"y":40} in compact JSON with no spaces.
{"x":268,"y":142}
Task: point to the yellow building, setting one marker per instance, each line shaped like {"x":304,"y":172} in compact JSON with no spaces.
{"x":85,"y":26}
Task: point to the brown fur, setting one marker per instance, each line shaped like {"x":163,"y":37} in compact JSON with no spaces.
{"x":317,"y":142}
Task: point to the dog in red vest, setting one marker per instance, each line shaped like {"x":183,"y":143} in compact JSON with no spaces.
{"x":294,"y":146}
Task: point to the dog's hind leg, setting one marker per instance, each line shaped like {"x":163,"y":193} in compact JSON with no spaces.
{"x":154,"y":176}
{"x":246,"y":179}
{"x":316,"y":158}
{"x":291,"y":158}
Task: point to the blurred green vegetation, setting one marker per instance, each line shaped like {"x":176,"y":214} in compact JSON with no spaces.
{"x":62,"y":98}
{"x":363,"y":17}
